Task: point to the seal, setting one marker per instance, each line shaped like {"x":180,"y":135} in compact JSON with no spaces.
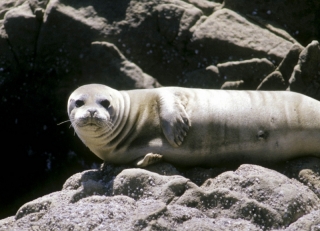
{"x":191,"y":127}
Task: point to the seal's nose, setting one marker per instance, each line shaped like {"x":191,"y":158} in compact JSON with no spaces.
{"x":92,"y":112}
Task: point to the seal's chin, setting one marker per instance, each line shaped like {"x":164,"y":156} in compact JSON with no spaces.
{"x":91,"y":127}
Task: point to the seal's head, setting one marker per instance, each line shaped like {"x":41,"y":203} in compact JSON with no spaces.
{"x":94,"y":111}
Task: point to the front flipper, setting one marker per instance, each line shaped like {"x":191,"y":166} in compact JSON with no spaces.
{"x":148,"y":159}
{"x":174,"y":119}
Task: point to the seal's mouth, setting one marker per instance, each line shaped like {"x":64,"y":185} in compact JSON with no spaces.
{"x":93,"y":123}
{"x":88,"y":122}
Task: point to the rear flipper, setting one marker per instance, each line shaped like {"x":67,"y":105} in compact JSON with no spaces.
{"x":148,"y":159}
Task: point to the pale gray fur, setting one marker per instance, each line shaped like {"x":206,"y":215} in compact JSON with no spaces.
{"x":196,"y":126}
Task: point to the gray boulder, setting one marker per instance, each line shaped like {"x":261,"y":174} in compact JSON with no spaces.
{"x":298,"y":18}
{"x":115,"y":198}
{"x":226,"y":35}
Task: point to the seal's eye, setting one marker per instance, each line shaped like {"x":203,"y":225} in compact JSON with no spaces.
{"x":105,"y":103}
{"x":79,"y":103}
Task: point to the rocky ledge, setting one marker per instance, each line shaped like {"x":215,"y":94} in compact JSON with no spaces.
{"x":162,"y":197}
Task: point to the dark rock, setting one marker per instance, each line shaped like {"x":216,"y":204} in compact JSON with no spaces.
{"x":162,"y":53}
{"x":309,"y":61}
{"x":106,"y":64}
{"x":272,"y":27}
{"x":208,"y":78}
{"x":287,"y":65}
{"x":174,"y":22}
{"x":9,"y":65}
{"x":299,"y":18}
{"x":226,"y":35}
{"x":157,"y":52}
{"x":252,"y":72}
{"x":22,"y":29}
{"x":306,"y":75}
{"x":274,"y":81}
{"x":65,"y":37}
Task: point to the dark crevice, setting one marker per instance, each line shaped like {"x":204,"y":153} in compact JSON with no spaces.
{"x":270,"y":26}
{"x":39,"y":13}
{"x":14,"y":54}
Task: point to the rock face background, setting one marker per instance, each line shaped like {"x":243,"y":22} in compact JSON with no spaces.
{"x":48,"y":48}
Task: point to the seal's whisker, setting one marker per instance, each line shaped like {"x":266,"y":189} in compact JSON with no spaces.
{"x":64,"y":122}
{"x":109,"y":126}
{"x":73,"y":123}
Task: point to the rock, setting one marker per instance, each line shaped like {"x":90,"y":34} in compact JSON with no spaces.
{"x":306,"y":170}
{"x":22,"y":28}
{"x":208,"y":78}
{"x":5,"y":6}
{"x":309,"y":61}
{"x":297,"y":18}
{"x":272,"y":27}
{"x":57,"y":51}
{"x":287,"y":65}
{"x":305,"y":77}
{"x":250,"y":198}
{"x":174,"y":22}
{"x":254,"y":193}
{"x":9,"y":65}
{"x":310,"y":221}
{"x":312,"y":179}
{"x":295,"y":82}
{"x":252,"y":71}
{"x":226,"y":35}
{"x":162,"y":52}
{"x":274,"y":81}
{"x":106,"y":64}
{"x":233,"y":85}
{"x":157,"y":52}
{"x":207,"y":7}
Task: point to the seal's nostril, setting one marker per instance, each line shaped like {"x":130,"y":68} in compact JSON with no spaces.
{"x":92,"y":112}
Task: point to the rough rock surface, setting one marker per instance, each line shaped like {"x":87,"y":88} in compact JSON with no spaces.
{"x":115,"y":198}
{"x":49,"y":47}
{"x":251,"y":72}
{"x":298,"y":18}
{"x":306,"y":74}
